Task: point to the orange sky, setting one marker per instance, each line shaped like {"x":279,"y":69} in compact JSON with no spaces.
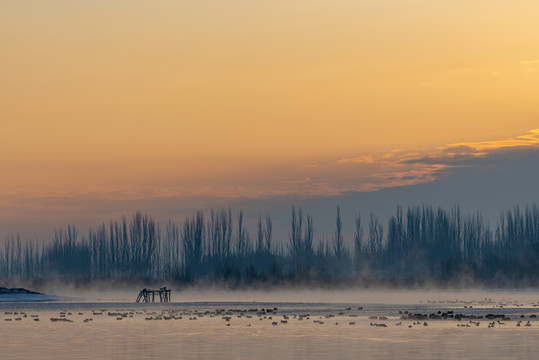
{"x":240,"y":97}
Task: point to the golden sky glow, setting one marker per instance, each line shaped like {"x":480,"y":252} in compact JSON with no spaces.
{"x":251,"y":98}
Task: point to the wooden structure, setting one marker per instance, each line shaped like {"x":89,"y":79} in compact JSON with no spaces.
{"x":148,"y":295}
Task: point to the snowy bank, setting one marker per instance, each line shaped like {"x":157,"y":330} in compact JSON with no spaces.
{"x":20,"y":294}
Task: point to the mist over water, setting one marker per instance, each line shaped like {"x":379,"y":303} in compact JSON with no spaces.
{"x":352,"y":296}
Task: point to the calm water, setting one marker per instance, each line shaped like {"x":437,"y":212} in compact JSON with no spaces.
{"x":299,"y":330}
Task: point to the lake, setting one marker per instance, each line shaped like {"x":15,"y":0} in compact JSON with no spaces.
{"x":236,"y":325}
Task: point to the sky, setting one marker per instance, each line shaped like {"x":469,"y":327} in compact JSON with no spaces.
{"x":108,"y":107}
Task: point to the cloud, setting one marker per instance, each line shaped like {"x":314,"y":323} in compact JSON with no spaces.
{"x":529,"y":62}
{"x":402,"y":168}
{"x":458,"y":153}
{"x":531,"y":139}
{"x":365,"y":159}
{"x":457,"y":150}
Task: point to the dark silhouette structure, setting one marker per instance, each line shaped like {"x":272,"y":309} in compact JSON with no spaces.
{"x":148,"y":295}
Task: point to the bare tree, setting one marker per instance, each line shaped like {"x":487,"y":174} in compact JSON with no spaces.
{"x":376,"y":234}
{"x":242,"y":243}
{"x":358,"y":240}
{"x":268,"y":233}
{"x":260,"y":246}
{"x":338,"y":241}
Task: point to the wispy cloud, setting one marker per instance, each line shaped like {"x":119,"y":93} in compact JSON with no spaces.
{"x":310,"y":165}
{"x":529,"y":62}
{"x":364,"y":159}
{"x":530,"y":139}
{"x":401,"y":168}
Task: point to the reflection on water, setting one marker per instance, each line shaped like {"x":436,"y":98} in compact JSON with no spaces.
{"x":247,"y":330}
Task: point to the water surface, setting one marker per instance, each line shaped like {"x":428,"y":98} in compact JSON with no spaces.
{"x":253,"y":329}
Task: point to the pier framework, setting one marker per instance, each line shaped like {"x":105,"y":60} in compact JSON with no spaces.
{"x":148,"y":295}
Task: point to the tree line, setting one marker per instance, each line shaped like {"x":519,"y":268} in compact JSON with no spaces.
{"x":419,"y":244}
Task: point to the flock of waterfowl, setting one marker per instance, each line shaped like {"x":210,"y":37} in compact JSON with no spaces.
{"x":273,"y":316}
